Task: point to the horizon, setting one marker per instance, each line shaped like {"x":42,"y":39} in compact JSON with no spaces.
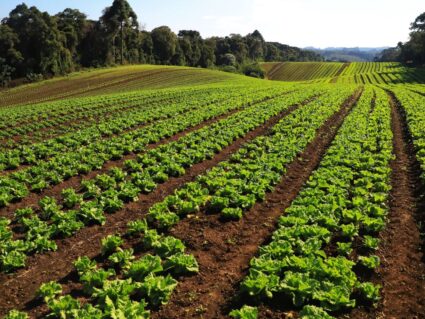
{"x":362,"y":27}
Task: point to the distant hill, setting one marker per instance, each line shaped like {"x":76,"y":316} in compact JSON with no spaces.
{"x":341,"y":54}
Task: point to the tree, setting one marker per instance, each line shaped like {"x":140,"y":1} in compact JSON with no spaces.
{"x":9,"y":41}
{"x":207,"y":55}
{"x":146,"y":45}
{"x":164,"y":44}
{"x":5,"y":73}
{"x":40,"y":42}
{"x":413,"y":51}
{"x":94,"y":46}
{"x":119,"y":20}
{"x":192,"y":45}
{"x":419,"y":24}
{"x":256,"y":45}
{"x":72,"y":23}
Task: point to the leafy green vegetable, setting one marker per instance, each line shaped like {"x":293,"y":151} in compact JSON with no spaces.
{"x":144,"y":266}
{"x":157,"y":289}
{"x":246,"y":312}
{"x":111,"y":243}
{"x":15,"y":314}
{"x":49,"y":291}
{"x":181,"y":264}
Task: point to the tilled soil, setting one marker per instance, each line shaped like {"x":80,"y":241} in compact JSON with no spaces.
{"x":18,"y":289}
{"x":402,"y":270}
{"x":223,"y":250}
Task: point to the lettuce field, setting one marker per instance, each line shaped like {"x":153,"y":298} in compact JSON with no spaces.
{"x":174,"y":192}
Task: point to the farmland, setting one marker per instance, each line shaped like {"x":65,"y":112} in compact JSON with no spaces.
{"x":349,"y":73}
{"x":176,"y":192}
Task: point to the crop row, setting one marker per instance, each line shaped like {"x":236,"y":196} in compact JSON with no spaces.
{"x":110,"y":191}
{"x":91,"y":111}
{"x":93,"y":154}
{"x":299,"y":71}
{"x":108,"y":128}
{"x":234,"y":186}
{"x":135,"y":272}
{"x":326,"y":238}
{"x":413,"y":105}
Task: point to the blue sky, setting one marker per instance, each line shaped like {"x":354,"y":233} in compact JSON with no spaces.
{"x":319,"y":23}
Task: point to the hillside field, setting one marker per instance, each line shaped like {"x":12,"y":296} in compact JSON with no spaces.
{"x":173,"y":192}
{"x":350,"y":73}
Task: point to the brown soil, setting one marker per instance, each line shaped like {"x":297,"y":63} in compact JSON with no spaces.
{"x":402,"y":271}
{"x":33,"y":198}
{"x":19,"y":288}
{"x":223,"y":250}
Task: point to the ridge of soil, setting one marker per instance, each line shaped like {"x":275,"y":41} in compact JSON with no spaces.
{"x":402,"y":270}
{"x":19,"y":288}
{"x":223,"y":250}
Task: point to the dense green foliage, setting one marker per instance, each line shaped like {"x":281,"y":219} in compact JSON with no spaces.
{"x":344,"y":202}
{"x":323,"y":244}
{"x":34,"y":44}
{"x":411,"y":52}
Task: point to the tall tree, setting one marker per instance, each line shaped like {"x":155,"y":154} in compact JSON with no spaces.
{"x":119,"y":19}
{"x":164,"y":44}
{"x":72,"y":23}
{"x":192,"y":44}
{"x":9,"y":42}
{"x":40,"y":41}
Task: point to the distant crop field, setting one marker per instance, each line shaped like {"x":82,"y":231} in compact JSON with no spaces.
{"x":301,"y":71}
{"x":174,"y":192}
{"x":354,"y":72}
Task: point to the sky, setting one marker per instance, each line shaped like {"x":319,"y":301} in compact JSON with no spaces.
{"x":302,"y":23}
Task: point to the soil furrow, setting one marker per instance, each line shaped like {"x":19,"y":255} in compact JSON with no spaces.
{"x":223,"y":250}
{"x":75,"y":181}
{"x":19,"y":288}
{"x":402,"y":270}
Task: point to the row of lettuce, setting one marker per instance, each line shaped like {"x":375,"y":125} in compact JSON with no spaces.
{"x":135,"y":272}
{"x":323,"y":250}
{"x":325,"y":242}
{"x":75,"y":208}
{"x":413,"y":103}
{"x":67,"y":116}
{"x":234,"y":186}
{"x":229,"y":189}
{"x":136,"y":110}
{"x":84,"y":151}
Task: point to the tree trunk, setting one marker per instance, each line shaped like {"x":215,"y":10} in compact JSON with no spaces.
{"x":122,"y":43}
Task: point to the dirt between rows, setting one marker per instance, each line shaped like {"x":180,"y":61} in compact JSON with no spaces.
{"x":402,"y":270}
{"x":223,"y":250}
{"x":19,"y":288}
{"x":108,"y":137}
{"x":75,"y":182}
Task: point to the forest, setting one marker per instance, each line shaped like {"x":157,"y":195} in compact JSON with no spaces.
{"x":35,"y":44}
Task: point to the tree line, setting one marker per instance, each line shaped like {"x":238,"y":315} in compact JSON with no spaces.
{"x":413,"y":51}
{"x":35,"y":44}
